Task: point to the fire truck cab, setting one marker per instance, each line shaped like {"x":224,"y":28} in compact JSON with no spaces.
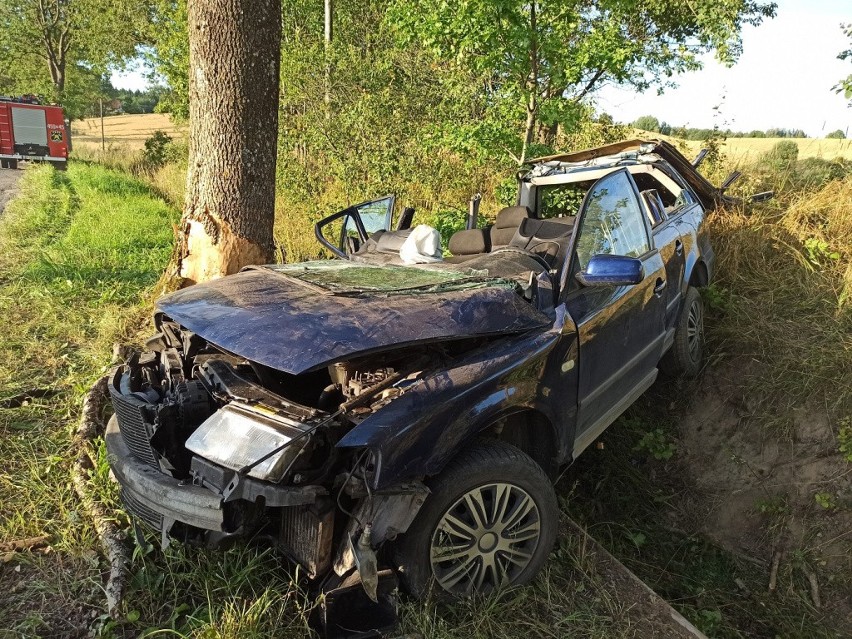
{"x":30,"y":130}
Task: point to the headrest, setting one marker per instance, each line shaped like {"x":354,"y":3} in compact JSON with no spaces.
{"x":511,"y":217}
{"x":468,"y":242}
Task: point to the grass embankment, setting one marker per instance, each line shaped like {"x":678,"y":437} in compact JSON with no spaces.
{"x":703,"y":485}
{"x":81,"y":253}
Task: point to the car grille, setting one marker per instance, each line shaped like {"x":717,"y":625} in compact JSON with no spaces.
{"x":133,"y":423}
{"x":141,"y":511}
{"x":306,"y":536}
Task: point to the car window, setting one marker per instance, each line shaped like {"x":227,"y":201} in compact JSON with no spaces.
{"x":375,"y":215}
{"x":560,"y":200}
{"x":612,"y":223}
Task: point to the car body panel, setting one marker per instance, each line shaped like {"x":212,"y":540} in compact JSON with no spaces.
{"x":270,"y":319}
{"x":417,"y":434}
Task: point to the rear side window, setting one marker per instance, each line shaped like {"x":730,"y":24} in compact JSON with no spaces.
{"x":560,"y":200}
{"x":613,"y":222}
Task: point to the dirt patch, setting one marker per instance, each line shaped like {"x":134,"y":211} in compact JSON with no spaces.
{"x":8,"y":185}
{"x":782,"y":497}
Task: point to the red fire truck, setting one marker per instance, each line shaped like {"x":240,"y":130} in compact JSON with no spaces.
{"x":30,"y":130}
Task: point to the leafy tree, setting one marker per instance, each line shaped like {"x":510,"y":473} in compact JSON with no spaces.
{"x":46,"y":43}
{"x":169,"y":55}
{"x":647,"y":123}
{"x":836,"y":135}
{"x":540,"y":59}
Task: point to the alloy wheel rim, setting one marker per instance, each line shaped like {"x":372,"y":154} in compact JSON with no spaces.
{"x":695,"y":330}
{"x":486,"y":539}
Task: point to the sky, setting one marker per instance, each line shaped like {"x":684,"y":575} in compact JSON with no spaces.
{"x":783,"y":79}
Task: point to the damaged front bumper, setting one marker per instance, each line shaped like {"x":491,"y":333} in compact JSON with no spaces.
{"x":302,"y":527}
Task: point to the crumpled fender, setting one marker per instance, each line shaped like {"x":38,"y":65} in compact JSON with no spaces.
{"x":418,"y":433}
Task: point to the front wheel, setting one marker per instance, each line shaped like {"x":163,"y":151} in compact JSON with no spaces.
{"x":489,"y":523}
{"x":686,"y":356}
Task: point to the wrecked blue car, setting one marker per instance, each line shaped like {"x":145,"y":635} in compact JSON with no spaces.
{"x":371,"y":416}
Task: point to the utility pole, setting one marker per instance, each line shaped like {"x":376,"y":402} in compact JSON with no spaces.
{"x":103,"y":138}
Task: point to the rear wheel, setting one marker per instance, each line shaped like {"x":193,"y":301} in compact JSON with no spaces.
{"x":490,"y":522}
{"x":686,"y":356}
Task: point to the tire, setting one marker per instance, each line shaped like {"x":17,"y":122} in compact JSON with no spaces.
{"x":4,"y":164}
{"x":12,"y":164}
{"x":686,"y":356}
{"x":61,"y":166}
{"x":504,"y":482}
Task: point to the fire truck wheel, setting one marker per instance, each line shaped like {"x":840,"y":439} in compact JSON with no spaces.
{"x":61,"y":166}
{"x":4,"y":164}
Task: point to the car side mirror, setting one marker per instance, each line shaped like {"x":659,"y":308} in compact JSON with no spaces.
{"x":612,"y":270}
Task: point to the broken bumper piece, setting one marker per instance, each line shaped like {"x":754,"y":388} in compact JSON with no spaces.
{"x":157,"y":499}
{"x":203,"y":514}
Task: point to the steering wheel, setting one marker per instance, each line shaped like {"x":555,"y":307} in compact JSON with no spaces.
{"x":514,"y":249}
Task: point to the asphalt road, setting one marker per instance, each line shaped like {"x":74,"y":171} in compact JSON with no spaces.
{"x":8,"y":185}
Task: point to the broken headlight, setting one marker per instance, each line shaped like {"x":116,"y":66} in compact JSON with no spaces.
{"x":237,"y":436}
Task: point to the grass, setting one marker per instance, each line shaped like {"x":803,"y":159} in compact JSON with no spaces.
{"x":783,"y":297}
{"x":80,"y":257}
{"x":81,"y":254}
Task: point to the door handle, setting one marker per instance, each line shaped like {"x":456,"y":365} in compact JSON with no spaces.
{"x":679,"y":247}
{"x":661,"y":286}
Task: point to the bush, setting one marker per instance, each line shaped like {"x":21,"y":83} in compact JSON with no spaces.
{"x":159,"y":149}
{"x":836,"y":135}
{"x":817,"y":172}
{"x":782,"y":157}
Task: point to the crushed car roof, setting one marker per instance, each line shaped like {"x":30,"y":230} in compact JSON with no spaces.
{"x":709,"y":195}
{"x":297,"y":326}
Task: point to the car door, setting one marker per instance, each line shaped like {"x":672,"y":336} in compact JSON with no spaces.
{"x":621,"y":328}
{"x":375,"y":215}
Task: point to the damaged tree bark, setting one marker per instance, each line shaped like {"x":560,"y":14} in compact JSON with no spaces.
{"x":234,"y":49}
{"x":111,"y":537}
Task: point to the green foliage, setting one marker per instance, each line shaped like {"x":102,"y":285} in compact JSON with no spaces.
{"x":59,"y":49}
{"x":814,"y":173}
{"x":818,"y":251}
{"x":158,"y":150}
{"x":169,"y":56}
{"x":540,"y":60}
{"x":825,"y":500}
{"x":845,"y":85}
{"x":658,"y":444}
{"x":839,"y":134}
{"x":782,"y":157}
{"x":647,"y":123}
{"x":776,"y":505}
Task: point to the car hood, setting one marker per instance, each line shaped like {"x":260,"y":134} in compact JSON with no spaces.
{"x":295,"y":325}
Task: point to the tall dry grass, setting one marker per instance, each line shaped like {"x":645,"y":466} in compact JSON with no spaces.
{"x":784,"y":290}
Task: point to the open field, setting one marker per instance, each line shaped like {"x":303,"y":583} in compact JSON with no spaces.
{"x":129,"y":131}
{"x":744,"y":150}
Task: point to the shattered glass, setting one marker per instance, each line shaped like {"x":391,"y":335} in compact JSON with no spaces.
{"x":340,"y":277}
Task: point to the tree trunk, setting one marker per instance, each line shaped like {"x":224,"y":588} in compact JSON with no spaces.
{"x":532,"y":87}
{"x":234,"y":51}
